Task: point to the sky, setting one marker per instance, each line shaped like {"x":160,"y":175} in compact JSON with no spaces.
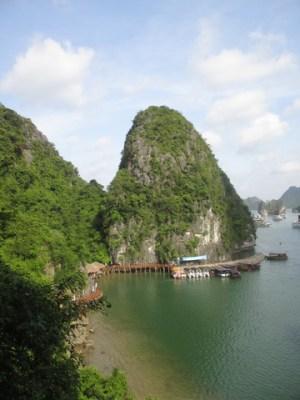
{"x":82,"y":69}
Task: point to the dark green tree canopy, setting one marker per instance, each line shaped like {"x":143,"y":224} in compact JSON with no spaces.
{"x":36,"y":360}
{"x":49,"y":216}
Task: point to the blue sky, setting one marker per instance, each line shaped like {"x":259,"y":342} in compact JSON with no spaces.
{"x":82,"y":69}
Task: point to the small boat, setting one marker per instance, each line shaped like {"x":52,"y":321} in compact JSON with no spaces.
{"x":276,"y":257}
{"x":263,"y":224}
{"x":223,"y":272}
{"x":277,"y":218}
{"x":206,"y":274}
{"x":191,"y":275}
{"x":178,"y":275}
{"x":297,"y":223}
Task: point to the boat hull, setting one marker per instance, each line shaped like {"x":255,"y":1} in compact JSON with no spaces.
{"x":277,"y":257}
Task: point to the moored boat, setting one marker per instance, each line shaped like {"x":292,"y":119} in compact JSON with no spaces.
{"x":223,"y":272}
{"x":297,"y":223}
{"x":276,"y":257}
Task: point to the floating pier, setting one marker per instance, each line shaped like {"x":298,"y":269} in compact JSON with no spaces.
{"x":245,"y":264}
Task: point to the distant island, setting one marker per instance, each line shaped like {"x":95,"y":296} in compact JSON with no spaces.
{"x":289,"y":199}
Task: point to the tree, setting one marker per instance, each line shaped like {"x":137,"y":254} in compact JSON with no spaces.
{"x":94,"y":387}
{"x":36,"y":360}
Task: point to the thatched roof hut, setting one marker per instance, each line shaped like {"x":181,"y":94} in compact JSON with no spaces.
{"x":94,"y":268}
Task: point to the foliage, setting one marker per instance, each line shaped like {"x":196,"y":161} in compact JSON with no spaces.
{"x":168,"y":177}
{"x":36,"y":360}
{"x":48,"y":215}
{"x":94,"y":387}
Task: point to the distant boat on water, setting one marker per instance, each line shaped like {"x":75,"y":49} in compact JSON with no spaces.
{"x":261,"y":220}
{"x":277,"y":257}
{"x":297,"y":223}
{"x":277,"y":218}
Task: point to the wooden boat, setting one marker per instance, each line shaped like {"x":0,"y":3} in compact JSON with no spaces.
{"x":222,"y":272}
{"x":276,"y":257}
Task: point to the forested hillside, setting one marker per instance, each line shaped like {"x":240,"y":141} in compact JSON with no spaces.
{"x":169,"y":197}
{"x":48,"y":215}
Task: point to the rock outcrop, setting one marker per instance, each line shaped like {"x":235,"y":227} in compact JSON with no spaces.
{"x":169,"y":197}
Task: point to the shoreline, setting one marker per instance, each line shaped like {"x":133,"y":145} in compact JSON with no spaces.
{"x":147,"y":374}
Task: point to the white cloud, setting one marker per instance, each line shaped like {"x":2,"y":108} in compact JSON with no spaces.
{"x":212,"y":138}
{"x":242,"y":106}
{"x":49,"y":73}
{"x":289,"y":167}
{"x":236,"y":66}
{"x":263,"y":129}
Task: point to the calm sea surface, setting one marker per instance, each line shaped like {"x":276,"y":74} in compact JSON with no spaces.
{"x":213,"y":339}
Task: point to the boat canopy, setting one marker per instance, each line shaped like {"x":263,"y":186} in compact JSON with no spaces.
{"x":195,"y":258}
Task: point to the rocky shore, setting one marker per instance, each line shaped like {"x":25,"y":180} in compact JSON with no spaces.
{"x":81,"y":334}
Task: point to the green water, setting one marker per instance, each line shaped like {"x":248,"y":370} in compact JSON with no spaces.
{"x":215,"y":339}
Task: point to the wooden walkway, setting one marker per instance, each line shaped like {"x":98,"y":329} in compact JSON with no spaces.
{"x":139,"y":267}
{"x":244,"y":264}
{"x":90,"y":297}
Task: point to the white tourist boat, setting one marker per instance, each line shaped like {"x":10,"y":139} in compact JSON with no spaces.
{"x":191,"y":275}
{"x":261,"y":220}
{"x":296,"y":224}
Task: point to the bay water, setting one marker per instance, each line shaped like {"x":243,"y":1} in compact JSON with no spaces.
{"x":210,"y":339}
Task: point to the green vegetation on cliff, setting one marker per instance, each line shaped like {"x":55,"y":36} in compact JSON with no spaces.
{"x":37,"y":360}
{"x":48,"y":214}
{"x":167,"y":182}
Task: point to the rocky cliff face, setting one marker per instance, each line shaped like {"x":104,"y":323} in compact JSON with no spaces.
{"x":169,"y":197}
